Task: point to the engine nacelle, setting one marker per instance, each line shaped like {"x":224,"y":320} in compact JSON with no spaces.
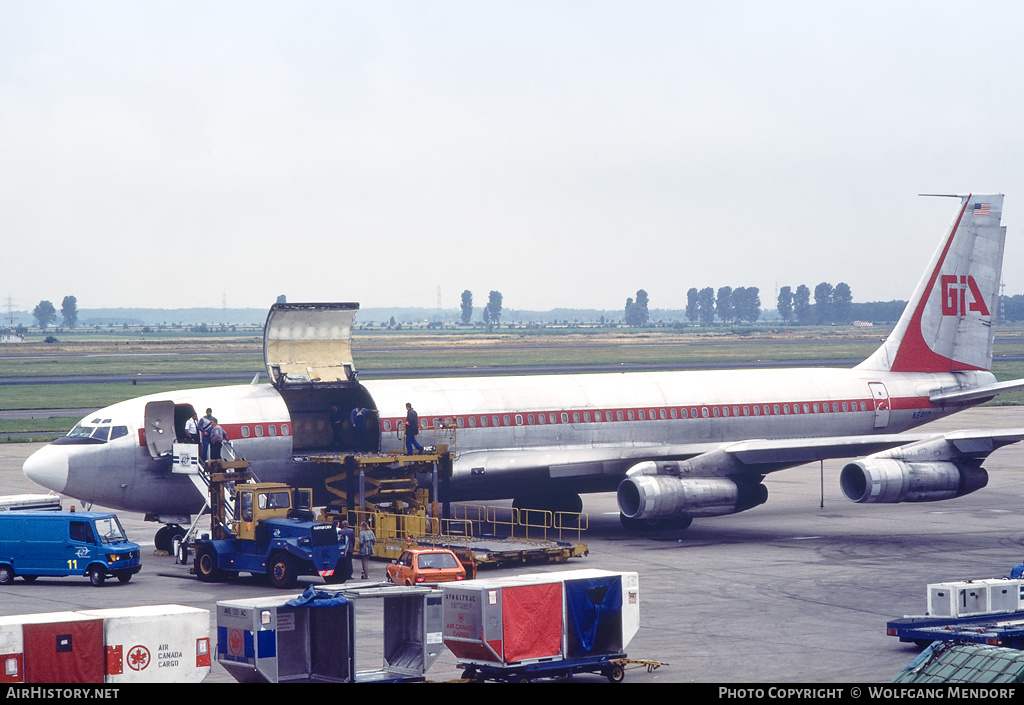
{"x":645,"y":496}
{"x":888,"y":481}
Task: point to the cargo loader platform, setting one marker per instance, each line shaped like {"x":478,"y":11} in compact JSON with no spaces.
{"x":404,"y":500}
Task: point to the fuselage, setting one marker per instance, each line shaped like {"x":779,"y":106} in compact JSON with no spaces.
{"x":514,"y":436}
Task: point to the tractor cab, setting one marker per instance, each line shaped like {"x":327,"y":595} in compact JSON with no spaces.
{"x":257,"y":502}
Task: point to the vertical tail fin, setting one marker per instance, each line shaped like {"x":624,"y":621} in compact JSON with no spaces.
{"x":947,"y":324}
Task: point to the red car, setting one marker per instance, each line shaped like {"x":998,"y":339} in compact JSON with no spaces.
{"x":417,"y":566}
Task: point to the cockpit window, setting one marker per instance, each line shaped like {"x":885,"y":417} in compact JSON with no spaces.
{"x":95,"y":431}
{"x":82,"y":431}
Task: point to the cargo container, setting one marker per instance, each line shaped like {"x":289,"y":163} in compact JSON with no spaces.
{"x":31,"y":501}
{"x":312,"y":637}
{"x":974,"y":597}
{"x":542,"y":624}
{"x":155,"y":643}
{"x":151,"y":644}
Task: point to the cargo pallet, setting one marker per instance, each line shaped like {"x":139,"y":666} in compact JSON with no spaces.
{"x":498,"y":551}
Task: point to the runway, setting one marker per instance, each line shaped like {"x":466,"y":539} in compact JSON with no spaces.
{"x":789,"y":592}
{"x":420,"y":372}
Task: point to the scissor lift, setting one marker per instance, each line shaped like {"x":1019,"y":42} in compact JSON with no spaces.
{"x":401,"y":496}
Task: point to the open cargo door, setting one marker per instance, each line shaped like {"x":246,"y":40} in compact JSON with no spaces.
{"x":309,"y":344}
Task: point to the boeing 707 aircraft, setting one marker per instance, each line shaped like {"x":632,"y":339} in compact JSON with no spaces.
{"x":674,"y":445}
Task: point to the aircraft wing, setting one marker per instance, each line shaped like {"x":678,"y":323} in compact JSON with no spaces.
{"x":750,"y":457}
{"x":790,"y":452}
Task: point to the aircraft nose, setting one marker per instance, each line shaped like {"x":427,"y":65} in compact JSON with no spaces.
{"x":48,"y":467}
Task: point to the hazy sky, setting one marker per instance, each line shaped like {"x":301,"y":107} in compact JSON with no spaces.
{"x":565,"y":153}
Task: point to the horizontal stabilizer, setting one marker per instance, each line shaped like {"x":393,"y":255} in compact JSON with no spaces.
{"x":986,"y":392}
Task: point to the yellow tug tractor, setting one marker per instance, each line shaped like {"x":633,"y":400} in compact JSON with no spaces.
{"x":263,"y":528}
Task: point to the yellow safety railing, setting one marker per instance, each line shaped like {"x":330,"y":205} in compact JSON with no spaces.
{"x":471,"y":521}
{"x":434,"y":436}
{"x":523,"y":523}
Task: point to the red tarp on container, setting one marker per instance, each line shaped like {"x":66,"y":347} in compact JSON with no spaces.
{"x":532,"y":621}
{"x":64,"y":652}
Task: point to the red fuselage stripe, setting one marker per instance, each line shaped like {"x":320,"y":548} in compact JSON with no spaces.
{"x":688,"y":412}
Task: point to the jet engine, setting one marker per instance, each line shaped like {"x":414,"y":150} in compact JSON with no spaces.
{"x":876,"y":480}
{"x":647,"y":493}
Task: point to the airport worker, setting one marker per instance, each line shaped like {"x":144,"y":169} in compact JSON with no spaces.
{"x":217,"y":437}
{"x":337,"y":427}
{"x":360,"y":419}
{"x":367,"y":539}
{"x":205,"y":424}
{"x":356,"y":418}
{"x":192,"y":428}
{"x":412,"y":429}
{"x":350,"y":542}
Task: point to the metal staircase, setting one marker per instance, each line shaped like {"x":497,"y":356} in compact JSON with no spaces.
{"x":187,"y":461}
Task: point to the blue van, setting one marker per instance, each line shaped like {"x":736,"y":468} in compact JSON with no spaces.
{"x":65,"y":543}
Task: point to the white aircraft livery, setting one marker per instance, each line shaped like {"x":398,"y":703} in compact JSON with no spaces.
{"x":674,"y":445}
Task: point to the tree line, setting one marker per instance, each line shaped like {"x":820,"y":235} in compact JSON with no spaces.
{"x":491,"y":312}
{"x":46,"y":315}
{"x":703,"y":306}
{"x":729,"y":305}
{"x":831,"y":304}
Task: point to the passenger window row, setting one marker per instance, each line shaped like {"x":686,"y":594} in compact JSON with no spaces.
{"x":647,"y":414}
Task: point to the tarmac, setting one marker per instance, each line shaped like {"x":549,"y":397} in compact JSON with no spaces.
{"x":796,"y":591}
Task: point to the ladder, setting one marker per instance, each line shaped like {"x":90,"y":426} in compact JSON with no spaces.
{"x":186,"y":461}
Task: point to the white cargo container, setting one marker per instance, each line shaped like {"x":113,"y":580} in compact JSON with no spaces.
{"x":31,"y":501}
{"x":155,"y":643}
{"x":974,"y":597}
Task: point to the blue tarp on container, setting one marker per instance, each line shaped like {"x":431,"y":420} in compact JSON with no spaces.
{"x":317,"y":598}
{"x":594,"y":611}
